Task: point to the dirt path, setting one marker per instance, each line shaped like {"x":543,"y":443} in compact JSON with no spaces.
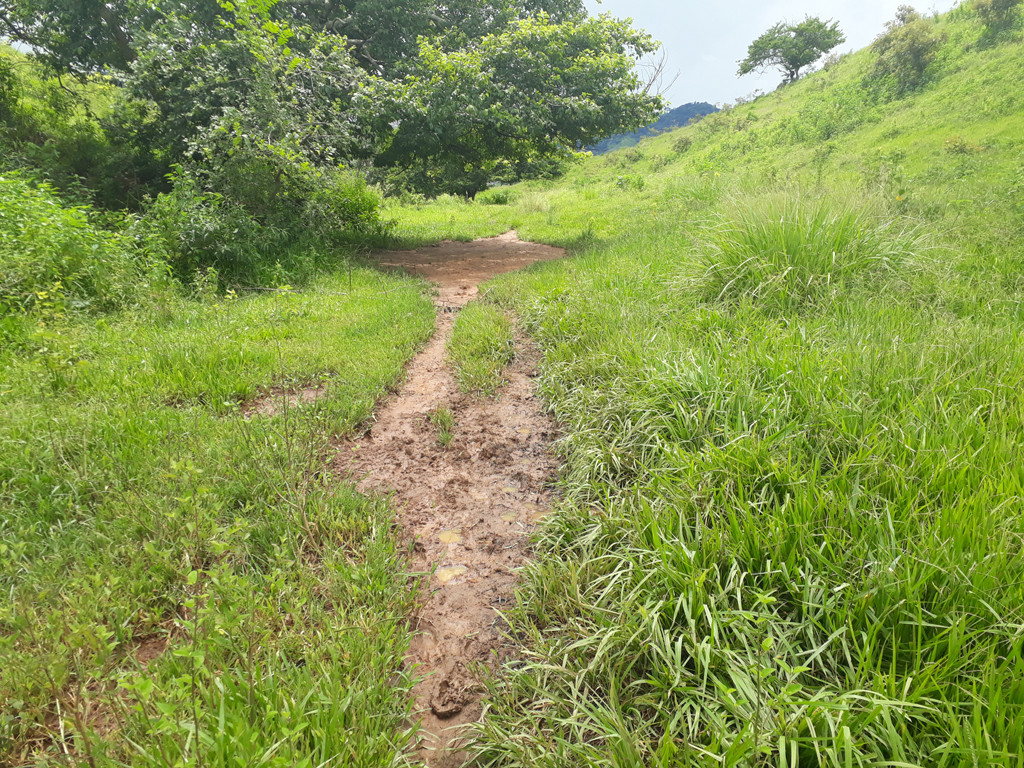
{"x":469,"y":506}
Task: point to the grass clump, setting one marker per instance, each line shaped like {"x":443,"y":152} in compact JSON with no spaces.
{"x":783,"y":251}
{"x":496,"y":196}
{"x":443,"y":421}
{"x":480,"y":347}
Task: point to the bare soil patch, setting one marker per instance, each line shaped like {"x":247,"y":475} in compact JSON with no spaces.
{"x":279,"y":399}
{"x":467,"y":507}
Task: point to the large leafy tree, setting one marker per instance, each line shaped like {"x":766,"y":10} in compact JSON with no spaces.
{"x":537,"y":91}
{"x":444,"y":92}
{"x":792,"y":47}
{"x":87,"y":35}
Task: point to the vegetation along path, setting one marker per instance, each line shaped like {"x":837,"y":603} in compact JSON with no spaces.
{"x":469,"y":476}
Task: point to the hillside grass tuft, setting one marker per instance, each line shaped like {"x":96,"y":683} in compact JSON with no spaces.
{"x":783,"y":250}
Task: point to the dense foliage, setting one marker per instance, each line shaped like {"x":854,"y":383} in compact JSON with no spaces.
{"x":54,"y":259}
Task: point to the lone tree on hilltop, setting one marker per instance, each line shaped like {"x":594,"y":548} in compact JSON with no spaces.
{"x":791,"y":47}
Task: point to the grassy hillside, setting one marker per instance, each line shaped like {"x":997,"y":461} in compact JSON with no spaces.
{"x":786,"y":356}
{"x":950,"y":154}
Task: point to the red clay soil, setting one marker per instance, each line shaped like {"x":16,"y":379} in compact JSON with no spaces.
{"x":469,"y":507}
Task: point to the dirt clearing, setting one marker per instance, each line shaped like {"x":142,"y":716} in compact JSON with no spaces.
{"x":468,"y":507}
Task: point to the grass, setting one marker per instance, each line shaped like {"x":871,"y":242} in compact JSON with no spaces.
{"x":480,"y":348}
{"x":788,"y":369}
{"x":787,"y":537}
{"x":444,"y":422}
{"x":783,"y":251}
{"x":786,"y":357}
{"x":186,"y":585}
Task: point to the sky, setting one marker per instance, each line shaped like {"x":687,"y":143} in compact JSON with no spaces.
{"x":703,"y":41}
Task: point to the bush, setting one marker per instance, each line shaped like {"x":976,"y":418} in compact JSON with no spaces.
{"x":782,"y":252}
{"x":496,"y":196}
{"x":905,"y":51}
{"x":997,"y":15}
{"x":257,"y":218}
{"x":682,"y":145}
{"x":53,"y":258}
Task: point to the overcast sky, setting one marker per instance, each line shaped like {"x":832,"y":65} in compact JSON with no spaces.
{"x":705,"y":40}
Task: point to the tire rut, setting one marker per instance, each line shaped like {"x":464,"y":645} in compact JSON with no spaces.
{"x":467,"y":508}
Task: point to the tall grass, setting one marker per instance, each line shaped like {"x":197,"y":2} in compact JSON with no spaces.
{"x":480,"y":347}
{"x":783,"y":250}
{"x":790,"y":537}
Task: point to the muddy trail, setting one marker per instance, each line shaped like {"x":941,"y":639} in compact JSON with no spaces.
{"x":468,"y":508}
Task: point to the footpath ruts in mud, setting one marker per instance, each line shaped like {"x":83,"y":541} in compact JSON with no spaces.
{"x":467,"y":507}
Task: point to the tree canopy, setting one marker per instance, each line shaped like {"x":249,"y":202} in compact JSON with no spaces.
{"x":433,"y":96}
{"x":792,"y":47}
{"x":538,"y":89}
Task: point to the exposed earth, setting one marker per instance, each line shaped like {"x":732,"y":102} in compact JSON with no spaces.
{"x":468,"y":507}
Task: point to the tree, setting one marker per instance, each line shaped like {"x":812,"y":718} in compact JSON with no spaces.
{"x":442,"y":93}
{"x":77,"y":35}
{"x":538,"y":91}
{"x":84,"y":36}
{"x":791,"y":47}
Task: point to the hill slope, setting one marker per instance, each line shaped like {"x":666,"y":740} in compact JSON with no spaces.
{"x":673,"y":118}
{"x":787,"y":362}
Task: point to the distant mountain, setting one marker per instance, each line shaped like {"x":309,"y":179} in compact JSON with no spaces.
{"x":674,"y":118}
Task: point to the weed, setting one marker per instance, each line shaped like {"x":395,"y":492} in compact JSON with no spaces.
{"x":958,"y":145}
{"x":444,"y":422}
{"x":634,"y":182}
{"x":496,"y":196}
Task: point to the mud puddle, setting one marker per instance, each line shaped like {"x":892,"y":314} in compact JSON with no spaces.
{"x":468,"y":507}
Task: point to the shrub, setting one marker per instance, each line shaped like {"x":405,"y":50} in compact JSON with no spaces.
{"x":997,"y":15}
{"x":958,"y":145}
{"x":782,"y":252}
{"x":53,"y":258}
{"x":9,"y":88}
{"x":250,"y":217}
{"x":906,"y":50}
{"x":192,"y":229}
{"x":496,"y":196}
{"x":682,"y":145}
